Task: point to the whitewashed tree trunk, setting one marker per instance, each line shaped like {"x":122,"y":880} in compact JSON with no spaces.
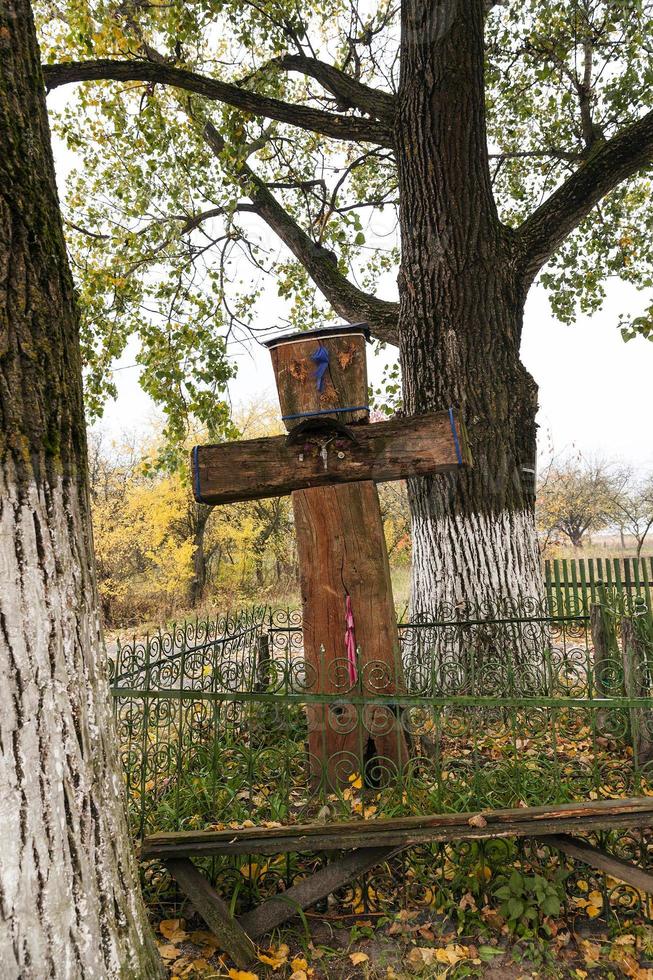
{"x":462,"y":293}
{"x":70,"y":902}
{"x":463,"y":562}
{"x":70,"y":905}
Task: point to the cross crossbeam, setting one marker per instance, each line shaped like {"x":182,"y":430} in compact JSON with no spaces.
{"x":383,"y":451}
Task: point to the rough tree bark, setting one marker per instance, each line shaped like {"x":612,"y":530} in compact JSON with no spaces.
{"x":199,"y":518}
{"x":462,"y":295}
{"x":70,"y":905}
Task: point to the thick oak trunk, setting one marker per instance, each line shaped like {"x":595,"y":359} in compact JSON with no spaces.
{"x":462,"y":295}
{"x":69,"y":900}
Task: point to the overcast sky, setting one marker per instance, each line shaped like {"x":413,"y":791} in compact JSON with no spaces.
{"x":596,"y":392}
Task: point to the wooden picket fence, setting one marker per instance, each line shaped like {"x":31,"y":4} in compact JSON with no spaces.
{"x":573,"y":584}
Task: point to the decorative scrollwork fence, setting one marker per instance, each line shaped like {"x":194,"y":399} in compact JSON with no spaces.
{"x":506,"y":707}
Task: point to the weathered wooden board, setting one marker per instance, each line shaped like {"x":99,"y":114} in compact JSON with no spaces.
{"x":341,"y":549}
{"x":231,"y":935}
{"x":522,"y":822}
{"x":384,"y":451}
{"x":595,"y":858}
{"x":313,"y":889}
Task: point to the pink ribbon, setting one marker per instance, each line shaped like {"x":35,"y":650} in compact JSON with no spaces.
{"x":350,"y":641}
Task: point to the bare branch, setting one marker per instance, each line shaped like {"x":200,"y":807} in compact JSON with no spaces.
{"x":330,"y":124}
{"x":349,"y":93}
{"x":346,"y":299}
{"x":608,"y":165}
{"x":85,"y":231}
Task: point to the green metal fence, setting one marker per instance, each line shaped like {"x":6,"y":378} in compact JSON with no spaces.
{"x":507,"y":707}
{"x":574,"y":584}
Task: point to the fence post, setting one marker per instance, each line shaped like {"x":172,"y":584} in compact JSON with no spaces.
{"x":262,"y":663}
{"x":601,"y":636}
{"x":637,"y":685}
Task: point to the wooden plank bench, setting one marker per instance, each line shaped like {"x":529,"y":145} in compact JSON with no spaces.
{"x":371,"y":842}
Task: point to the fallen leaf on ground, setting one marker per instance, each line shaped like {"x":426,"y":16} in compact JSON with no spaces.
{"x":173,"y":930}
{"x":275,"y":958}
{"x":628,"y":964}
{"x":168,"y":952}
{"x":429,"y":955}
{"x":358,"y":958}
{"x":591,"y":953}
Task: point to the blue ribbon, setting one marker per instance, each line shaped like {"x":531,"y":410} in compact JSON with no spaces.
{"x":321,"y":359}
{"x":454,"y":433}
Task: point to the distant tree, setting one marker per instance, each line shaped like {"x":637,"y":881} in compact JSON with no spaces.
{"x":576,"y":497}
{"x":632,"y":505}
{"x":395,"y":513}
{"x":158,"y":551}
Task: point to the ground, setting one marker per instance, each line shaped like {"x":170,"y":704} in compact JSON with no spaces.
{"x":416,"y":945}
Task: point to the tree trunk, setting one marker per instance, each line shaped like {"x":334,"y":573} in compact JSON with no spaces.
{"x":462,"y":295}
{"x":200,"y":516}
{"x":70,"y":906}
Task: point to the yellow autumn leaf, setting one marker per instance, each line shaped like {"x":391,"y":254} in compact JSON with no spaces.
{"x":253,"y":870}
{"x":168,"y":952}
{"x":358,"y":958}
{"x":173,"y":930}
{"x":242,"y":975}
{"x":594,"y":904}
{"x":451,"y":954}
{"x":299,"y":963}
{"x":299,"y":975}
{"x":275,"y":958}
{"x":356,"y":781}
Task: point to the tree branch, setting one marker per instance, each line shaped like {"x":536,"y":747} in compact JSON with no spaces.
{"x":349,"y":93}
{"x":607,"y":166}
{"x":330,"y":124}
{"x":322,"y":265}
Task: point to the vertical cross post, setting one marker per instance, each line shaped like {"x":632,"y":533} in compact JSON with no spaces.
{"x":344,"y":570}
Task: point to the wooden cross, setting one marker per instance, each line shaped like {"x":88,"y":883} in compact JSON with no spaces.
{"x":330,"y":464}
